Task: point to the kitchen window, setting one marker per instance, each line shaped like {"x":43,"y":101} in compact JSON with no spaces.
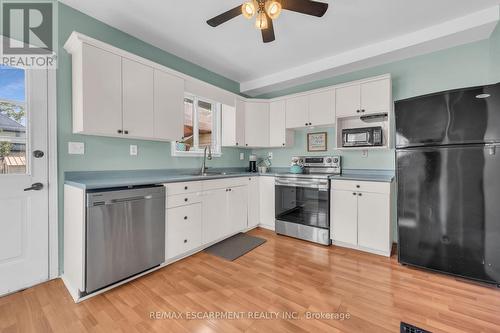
{"x":202,"y":127}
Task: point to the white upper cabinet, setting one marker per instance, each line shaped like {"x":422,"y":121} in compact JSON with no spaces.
{"x":376,"y":96}
{"x":347,"y":102}
{"x":168,"y":106}
{"x":279,"y":136}
{"x":228,"y":126}
{"x":256,"y":124}
{"x":314,"y":109}
{"x":322,"y":108}
{"x":138,"y":99}
{"x":371,"y":96}
{"x":240,"y":123}
{"x":297,"y":112}
{"x":97,"y":92}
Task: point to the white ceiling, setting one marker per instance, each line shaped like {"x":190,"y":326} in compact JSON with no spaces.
{"x":235,"y":49}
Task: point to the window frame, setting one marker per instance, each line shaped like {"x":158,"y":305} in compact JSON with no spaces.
{"x":216,"y":129}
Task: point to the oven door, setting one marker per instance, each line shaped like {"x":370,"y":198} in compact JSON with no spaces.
{"x":303,"y":201}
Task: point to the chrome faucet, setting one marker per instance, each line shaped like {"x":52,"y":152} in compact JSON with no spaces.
{"x":205,"y":157}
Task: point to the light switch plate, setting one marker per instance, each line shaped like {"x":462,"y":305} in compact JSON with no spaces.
{"x":242,"y":156}
{"x":364,"y":153}
{"x":133,"y":150}
{"x":270,"y":155}
{"x":76,"y":148}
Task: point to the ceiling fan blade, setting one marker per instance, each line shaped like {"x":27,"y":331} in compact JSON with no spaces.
{"x":224,"y":17}
{"x":307,"y":7}
{"x":268,"y":34}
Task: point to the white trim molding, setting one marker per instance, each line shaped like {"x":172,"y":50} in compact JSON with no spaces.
{"x":53,"y":175}
{"x":470,"y":28}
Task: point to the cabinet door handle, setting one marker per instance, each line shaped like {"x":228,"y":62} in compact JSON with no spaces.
{"x":126,"y":132}
{"x":185,"y":187}
{"x":120,"y":131}
{"x":358,"y":111}
{"x":185,"y":241}
{"x":359,"y":194}
{"x":185,"y":217}
{"x":236,"y":143}
{"x":185,"y":199}
{"x":357,"y":186}
{"x":363,"y":110}
{"x":354,"y":193}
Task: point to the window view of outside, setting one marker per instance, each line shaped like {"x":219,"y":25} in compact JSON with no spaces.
{"x":205,"y":123}
{"x":198,"y":125}
{"x":12,"y":121}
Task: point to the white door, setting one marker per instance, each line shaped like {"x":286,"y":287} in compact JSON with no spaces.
{"x":277,"y":124}
{"x":168,"y":106}
{"x":253,"y":202}
{"x":297,"y":112}
{"x":228,"y":126}
{"x":376,"y":96}
{"x":322,"y":108}
{"x":256,"y":124}
{"x":374,"y":221}
{"x":214,"y":221}
{"x":23,"y":213}
{"x":138,"y":99}
{"x":347,"y":101}
{"x":237,"y":206}
{"x":344,"y":219}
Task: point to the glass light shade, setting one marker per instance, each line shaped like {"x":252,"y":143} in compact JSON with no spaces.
{"x":261,"y":21}
{"x":248,"y":9}
{"x":273,"y":9}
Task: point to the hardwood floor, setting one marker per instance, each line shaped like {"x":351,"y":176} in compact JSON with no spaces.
{"x":284,"y":275}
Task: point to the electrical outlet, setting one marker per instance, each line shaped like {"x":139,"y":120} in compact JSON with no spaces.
{"x":133,"y":150}
{"x":242,"y":156}
{"x":364,"y":153}
{"x":76,"y":148}
{"x":270,"y":155}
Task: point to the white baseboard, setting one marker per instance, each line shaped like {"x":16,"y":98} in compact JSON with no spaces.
{"x":362,"y":248}
{"x":265,"y":226}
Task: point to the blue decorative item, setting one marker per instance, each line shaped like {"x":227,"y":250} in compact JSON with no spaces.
{"x":296,"y":169}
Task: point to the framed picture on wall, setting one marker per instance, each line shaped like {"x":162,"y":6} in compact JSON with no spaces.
{"x":317,"y":141}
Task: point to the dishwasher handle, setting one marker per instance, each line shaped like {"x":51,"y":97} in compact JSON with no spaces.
{"x":145,"y":197}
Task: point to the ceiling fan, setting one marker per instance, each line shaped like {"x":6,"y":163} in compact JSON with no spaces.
{"x":268,"y":10}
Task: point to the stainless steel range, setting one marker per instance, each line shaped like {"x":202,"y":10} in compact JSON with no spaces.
{"x":303,"y":200}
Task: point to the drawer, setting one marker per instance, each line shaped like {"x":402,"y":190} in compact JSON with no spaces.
{"x":183,"y":229}
{"x":361,"y":186}
{"x":224,"y":183}
{"x":185,"y":187}
{"x":183,"y":199}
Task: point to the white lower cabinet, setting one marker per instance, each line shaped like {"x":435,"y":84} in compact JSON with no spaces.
{"x":183,"y":229}
{"x":361,"y":215}
{"x":215,"y":223}
{"x":237,"y":206}
{"x":266,"y":200}
{"x":253,"y":202}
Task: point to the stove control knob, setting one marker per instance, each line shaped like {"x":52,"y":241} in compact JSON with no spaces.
{"x":328,"y":160}
{"x":335,"y":160}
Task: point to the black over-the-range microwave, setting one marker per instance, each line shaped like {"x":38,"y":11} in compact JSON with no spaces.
{"x":362,"y":137}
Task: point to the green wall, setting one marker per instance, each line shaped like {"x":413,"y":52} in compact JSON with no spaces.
{"x":109,"y":153}
{"x":467,"y":65}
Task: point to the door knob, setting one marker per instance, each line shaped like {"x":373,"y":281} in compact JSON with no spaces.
{"x":34,"y":187}
{"x":38,"y":154}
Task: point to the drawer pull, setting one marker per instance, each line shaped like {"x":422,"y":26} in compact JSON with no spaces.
{"x":185,"y":217}
{"x":185,"y":241}
{"x":185,"y":199}
{"x":185,"y":187}
{"x":357,"y":186}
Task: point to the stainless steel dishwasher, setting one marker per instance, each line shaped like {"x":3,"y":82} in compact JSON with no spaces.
{"x":125,"y":234}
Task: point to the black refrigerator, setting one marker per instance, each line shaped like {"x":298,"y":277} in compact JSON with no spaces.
{"x":448,"y":174}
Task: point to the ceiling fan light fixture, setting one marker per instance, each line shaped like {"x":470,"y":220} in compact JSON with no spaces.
{"x":261,"y":21}
{"x":248,"y":9}
{"x":273,"y":9}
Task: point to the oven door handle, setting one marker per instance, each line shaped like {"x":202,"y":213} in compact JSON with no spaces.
{"x":321,"y":187}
